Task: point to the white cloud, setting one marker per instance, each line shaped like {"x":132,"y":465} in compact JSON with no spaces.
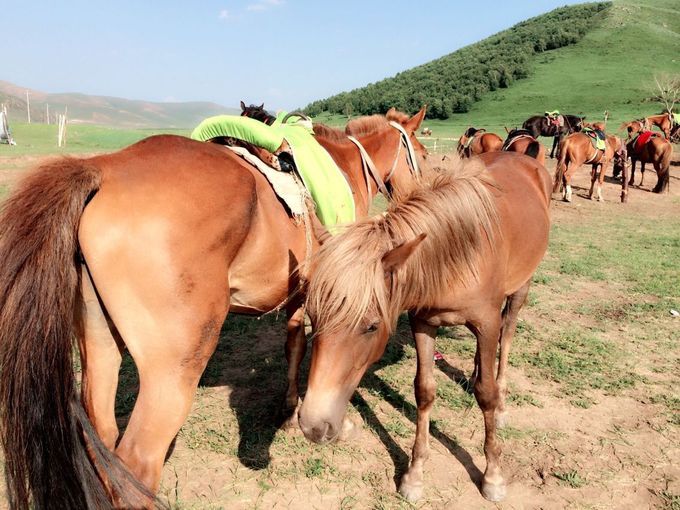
{"x":263,"y":5}
{"x":224,"y":14}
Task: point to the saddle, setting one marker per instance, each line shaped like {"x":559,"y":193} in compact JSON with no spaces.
{"x":597,"y":138}
{"x":641,"y":139}
{"x":514,"y":135}
{"x":289,"y":146}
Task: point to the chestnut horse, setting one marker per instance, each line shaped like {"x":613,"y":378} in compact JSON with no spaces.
{"x":658,"y":151}
{"x":477,"y":141}
{"x":521,"y":140}
{"x":145,"y":249}
{"x":575,"y":151}
{"x":453,"y":252}
{"x":664,"y":121}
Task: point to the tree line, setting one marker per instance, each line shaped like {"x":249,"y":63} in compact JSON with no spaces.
{"x":452,"y":83}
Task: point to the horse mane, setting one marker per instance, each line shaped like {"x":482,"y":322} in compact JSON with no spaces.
{"x":471,"y":131}
{"x":454,"y":207}
{"x":329,"y":133}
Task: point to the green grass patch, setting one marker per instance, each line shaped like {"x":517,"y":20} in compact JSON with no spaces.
{"x":570,"y":478}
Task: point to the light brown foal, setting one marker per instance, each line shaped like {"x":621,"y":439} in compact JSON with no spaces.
{"x":460,"y":250}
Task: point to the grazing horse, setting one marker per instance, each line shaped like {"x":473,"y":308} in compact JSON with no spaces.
{"x":459,"y":250}
{"x":575,"y":151}
{"x":145,"y":249}
{"x":655,"y":150}
{"x":521,"y":140}
{"x":540,"y":125}
{"x":477,"y":141}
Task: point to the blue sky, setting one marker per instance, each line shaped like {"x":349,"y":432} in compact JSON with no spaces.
{"x":286,"y":53}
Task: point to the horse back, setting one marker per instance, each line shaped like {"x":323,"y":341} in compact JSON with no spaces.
{"x":523,"y":199}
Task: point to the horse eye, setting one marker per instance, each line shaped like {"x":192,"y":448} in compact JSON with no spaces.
{"x":372,"y":328}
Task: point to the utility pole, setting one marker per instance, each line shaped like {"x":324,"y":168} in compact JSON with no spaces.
{"x":28,"y":107}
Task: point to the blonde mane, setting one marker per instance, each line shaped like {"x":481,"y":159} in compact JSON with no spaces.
{"x":454,"y":207}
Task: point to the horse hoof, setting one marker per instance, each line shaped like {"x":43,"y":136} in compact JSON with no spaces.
{"x":494,"y":492}
{"x":410,"y":490}
{"x":501,"y":419}
{"x":349,"y":431}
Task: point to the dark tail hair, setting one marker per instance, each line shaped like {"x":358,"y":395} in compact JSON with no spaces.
{"x":532,"y":149}
{"x":53,"y":457}
{"x":560,"y":169}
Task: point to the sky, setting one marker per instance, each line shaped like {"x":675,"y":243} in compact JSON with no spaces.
{"x":285,"y":53}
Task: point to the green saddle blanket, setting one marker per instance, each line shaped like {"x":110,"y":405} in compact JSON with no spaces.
{"x":597,"y":138}
{"x":321,"y":176}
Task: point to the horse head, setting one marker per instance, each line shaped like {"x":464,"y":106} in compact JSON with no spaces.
{"x":257,"y":113}
{"x":348,"y":309}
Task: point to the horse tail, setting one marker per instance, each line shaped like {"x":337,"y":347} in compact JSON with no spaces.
{"x":664,"y":174}
{"x":561,"y":167}
{"x":532,"y":149}
{"x":50,"y":446}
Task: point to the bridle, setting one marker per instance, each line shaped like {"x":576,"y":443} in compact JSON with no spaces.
{"x":371,"y":171}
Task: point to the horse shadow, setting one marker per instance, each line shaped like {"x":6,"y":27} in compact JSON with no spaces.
{"x":249,"y":359}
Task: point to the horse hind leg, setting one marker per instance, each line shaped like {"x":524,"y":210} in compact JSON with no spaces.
{"x":593,"y":178}
{"x":101,"y":359}
{"x":642,"y":173}
{"x":512,"y":307}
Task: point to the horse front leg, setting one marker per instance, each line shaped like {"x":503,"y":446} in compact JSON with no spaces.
{"x":631,"y":181}
{"x":593,"y":178}
{"x":642,"y":172}
{"x":296,"y":348}
{"x":488,"y":397}
{"x":411,"y":486}
{"x":556,"y":139}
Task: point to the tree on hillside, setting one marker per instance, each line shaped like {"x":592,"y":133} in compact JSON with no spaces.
{"x":666,"y":90}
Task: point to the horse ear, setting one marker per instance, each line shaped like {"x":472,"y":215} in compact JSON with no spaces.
{"x":396,"y":257}
{"x":320,"y":232}
{"x":414,"y":122}
{"x":243,"y":106}
{"x":262,"y":106}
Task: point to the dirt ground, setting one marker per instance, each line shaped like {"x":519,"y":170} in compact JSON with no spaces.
{"x":594,"y":390}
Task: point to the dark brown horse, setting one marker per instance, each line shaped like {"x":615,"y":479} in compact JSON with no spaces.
{"x":541,"y":125}
{"x":456,"y":251}
{"x":477,"y":141}
{"x":521,"y":140}
{"x":146,"y":249}
{"x":656,"y":150}
{"x":575,"y":151}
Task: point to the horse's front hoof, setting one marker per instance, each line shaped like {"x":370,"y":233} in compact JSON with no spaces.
{"x":494,"y":492}
{"x":350,"y":430}
{"x":410,"y":490}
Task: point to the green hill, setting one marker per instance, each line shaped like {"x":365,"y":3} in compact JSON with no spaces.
{"x":106,"y":111}
{"x":611,"y":66}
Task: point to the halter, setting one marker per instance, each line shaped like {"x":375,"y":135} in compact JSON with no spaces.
{"x":370,"y":168}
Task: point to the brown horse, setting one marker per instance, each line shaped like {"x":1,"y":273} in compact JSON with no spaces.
{"x":453,"y":252}
{"x":664,"y":121}
{"x":657,"y":151}
{"x":521,"y":140}
{"x":477,"y":141}
{"x":575,"y":151}
{"x":146,"y":249}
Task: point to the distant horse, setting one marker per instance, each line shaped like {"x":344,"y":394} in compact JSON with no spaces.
{"x":540,"y":125}
{"x":521,"y":140}
{"x":575,"y":151}
{"x":257,"y":113}
{"x":426,"y":131}
{"x":145,"y":249}
{"x":477,"y":141}
{"x":655,"y":150}
{"x":456,"y":251}
{"x":664,"y":121}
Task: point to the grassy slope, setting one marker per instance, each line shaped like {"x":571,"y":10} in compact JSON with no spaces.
{"x":611,"y":68}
